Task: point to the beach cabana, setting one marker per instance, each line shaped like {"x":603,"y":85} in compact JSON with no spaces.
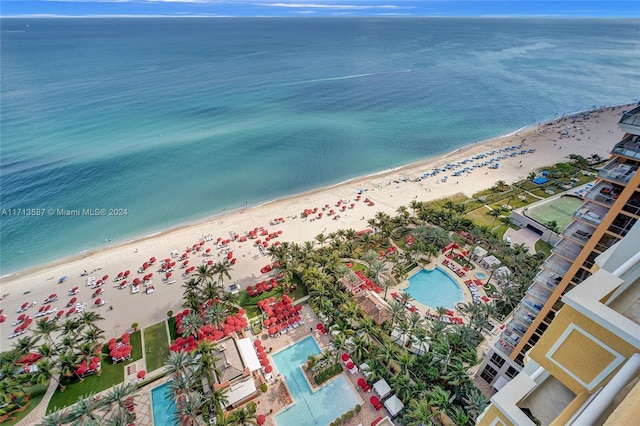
{"x":490,"y":261}
{"x":479,"y":252}
{"x":382,"y":388}
{"x":393,"y":405}
{"x":502,"y":272}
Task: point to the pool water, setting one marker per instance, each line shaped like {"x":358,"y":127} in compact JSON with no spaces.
{"x":481,"y":275}
{"x":311,"y":408}
{"x":435,"y":288}
{"x":164,"y":406}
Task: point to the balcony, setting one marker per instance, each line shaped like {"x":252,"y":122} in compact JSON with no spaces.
{"x":578,"y":231}
{"x":524,"y":316}
{"x":516,"y":327}
{"x":547,"y":400}
{"x":604,"y":193}
{"x":629,"y":146}
{"x":539,"y":293}
{"x":630,"y":121}
{"x":557,"y":264}
{"x":532,"y":304}
{"x":591,"y":213}
{"x":510,"y":337}
{"x":617,"y":171}
{"x":567,"y":249}
{"x":548,"y":279}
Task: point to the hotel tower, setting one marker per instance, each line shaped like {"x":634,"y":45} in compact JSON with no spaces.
{"x":610,"y":209}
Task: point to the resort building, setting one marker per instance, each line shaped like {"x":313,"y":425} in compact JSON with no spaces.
{"x":239,"y":368}
{"x":585,"y":369}
{"x":610,"y":209}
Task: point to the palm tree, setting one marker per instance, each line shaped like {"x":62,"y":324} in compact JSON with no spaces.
{"x":56,"y":418}
{"x":117,"y":396}
{"x":179,"y":361}
{"x":222,"y":270}
{"x":219,"y":400}
{"x":188,"y":409}
{"x":459,"y":416}
{"x":402,"y":386}
{"x":45,"y":327}
{"x":24,"y":345}
{"x":191,"y":324}
{"x":244,"y":416}
{"x":93,"y":336}
{"x":89,"y":318}
{"x":85,"y":411}
{"x":418,"y":413}
{"x":474,"y":402}
{"x":189,"y":286}
{"x":206,"y":361}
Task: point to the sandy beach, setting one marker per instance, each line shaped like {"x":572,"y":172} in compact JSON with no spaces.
{"x":388,"y":190}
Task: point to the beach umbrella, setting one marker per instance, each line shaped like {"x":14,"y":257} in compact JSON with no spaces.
{"x":260,"y":419}
{"x":345,"y":357}
{"x":262,"y":355}
{"x":260,"y":349}
{"x":362,"y":382}
{"x":264,"y":362}
{"x":268,"y":369}
{"x":350,"y":365}
{"x":141,"y":374}
{"x":272,"y":330}
{"x":98,"y":301}
{"x":257,"y":343}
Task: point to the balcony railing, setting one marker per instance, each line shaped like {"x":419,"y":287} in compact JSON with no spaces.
{"x":630,"y":121}
{"x":591,"y":213}
{"x":557,"y":264}
{"x":617,"y":171}
{"x":578,"y":231}
{"x":629,"y":146}
{"x":510,"y":337}
{"x":524,"y":316}
{"x":604,"y":193}
{"x":539,"y":292}
{"x":567,"y":249}
{"x":548,"y":279}
{"x":516,"y":327}
{"x":532,"y":305}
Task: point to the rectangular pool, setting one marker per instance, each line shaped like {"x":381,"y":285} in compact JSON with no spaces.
{"x":164,"y":407}
{"x":311,"y":408}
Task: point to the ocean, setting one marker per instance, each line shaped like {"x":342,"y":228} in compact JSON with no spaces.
{"x":171,"y":120}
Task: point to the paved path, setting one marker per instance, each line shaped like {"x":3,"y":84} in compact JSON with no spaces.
{"x":37,"y":414}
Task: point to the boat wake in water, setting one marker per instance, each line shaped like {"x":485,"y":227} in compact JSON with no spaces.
{"x":348,"y":77}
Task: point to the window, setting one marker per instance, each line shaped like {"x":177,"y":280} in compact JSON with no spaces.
{"x":488,"y":374}
{"x":511,"y":372}
{"x":497,"y":360}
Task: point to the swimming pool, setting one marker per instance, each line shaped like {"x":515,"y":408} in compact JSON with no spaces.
{"x":311,"y":408}
{"x":164,"y":407}
{"x":481,"y":275}
{"x":435,"y":288}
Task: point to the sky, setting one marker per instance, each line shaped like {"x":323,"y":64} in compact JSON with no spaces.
{"x":313,"y":8}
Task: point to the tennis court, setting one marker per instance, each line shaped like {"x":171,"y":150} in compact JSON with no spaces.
{"x":561,"y":209}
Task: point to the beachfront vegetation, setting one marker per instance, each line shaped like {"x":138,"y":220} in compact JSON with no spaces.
{"x":435,"y":386}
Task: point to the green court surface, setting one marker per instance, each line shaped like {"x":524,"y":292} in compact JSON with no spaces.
{"x":561,"y":209}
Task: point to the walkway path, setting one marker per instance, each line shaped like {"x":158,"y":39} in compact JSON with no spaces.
{"x":37,"y":414}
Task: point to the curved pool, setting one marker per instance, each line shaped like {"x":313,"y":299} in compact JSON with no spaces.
{"x":435,"y":288}
{"x":480,"y":275}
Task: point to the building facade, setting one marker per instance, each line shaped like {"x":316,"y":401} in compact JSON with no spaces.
{"x":585,"y":370}
{"x":610,"y":209}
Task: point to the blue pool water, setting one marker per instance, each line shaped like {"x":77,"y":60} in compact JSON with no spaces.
{"x":481,"y":275}
{"x":311,"y":408}
{"x":435,"y":288}
{"x":164,"y":406}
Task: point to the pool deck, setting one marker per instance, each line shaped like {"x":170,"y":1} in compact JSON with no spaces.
{"x":277,"y":397}
{"x":466,"y":293}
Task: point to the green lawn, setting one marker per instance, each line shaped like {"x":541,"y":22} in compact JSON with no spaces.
{"x":544,"y":247}
{"x":111,"y":374}
{"x":156,"y":343}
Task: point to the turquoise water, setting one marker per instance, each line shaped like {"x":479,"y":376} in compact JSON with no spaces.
{"x":480,"y":275}
{"x":311,"y":408}
{"x":163,"y":406}
{"x":178,"y":119}
{"x":435,"y":288}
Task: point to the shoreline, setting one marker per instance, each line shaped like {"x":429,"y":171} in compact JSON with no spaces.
{"x":362,"y":178}
{"x":592,"y":132}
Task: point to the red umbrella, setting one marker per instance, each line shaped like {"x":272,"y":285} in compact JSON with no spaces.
{"x":345,"y":357}
{"x":262,"y":355}
{"x":350,"y":365}
{"x":272,"y":330}
{"x":362,"y":382}
{"x":268,"y":369}
{"x":264,"y":362}
{"x":141,"y":374}
{"x":260,"y":419}
{"x":259,"y":349}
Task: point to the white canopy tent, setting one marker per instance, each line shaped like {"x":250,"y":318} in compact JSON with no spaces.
{"x":490,"y":261}
{"x":248,"y":353}
{"x":394,"y":405}
{"x":382,"y":388}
